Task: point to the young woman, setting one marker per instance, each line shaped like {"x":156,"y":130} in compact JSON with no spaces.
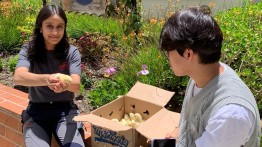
{"x":218,"y":110}
{"x":51,"y":108}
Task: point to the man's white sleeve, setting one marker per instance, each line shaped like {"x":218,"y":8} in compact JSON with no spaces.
{"x":232,"y":125}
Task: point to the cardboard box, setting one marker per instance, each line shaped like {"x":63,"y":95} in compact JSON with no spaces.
{"x":145,"y":99}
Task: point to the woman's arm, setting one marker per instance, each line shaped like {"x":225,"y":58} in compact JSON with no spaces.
{"x":23,"y":77}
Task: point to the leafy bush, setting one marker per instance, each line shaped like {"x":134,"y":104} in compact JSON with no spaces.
{"x":242,"y":48}
{"x":95,"y":46}
{"x":129,"y":13}
{"x":241,"y":51}
{"x":159,"y":75}
{"x":12,"y":61}
{"x":106,"y":91}
{"x":9,"y":35}
{"x":1,"y":65}
{"x":241,"y":27}
{"x":12,"y":15}
{"x":91,"y":23}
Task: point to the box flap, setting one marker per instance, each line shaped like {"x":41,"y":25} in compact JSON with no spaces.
{"x":159,"y":124}
{"x":150,"y":94}
{"x":101,"y":122}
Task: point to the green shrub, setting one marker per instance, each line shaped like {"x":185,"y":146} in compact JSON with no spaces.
{"x":92,"y":23}
{"x":106,"y":91}
{"x":13,"y":23}
{"x":9,"y":35}
{"x":128,"y":15}
{"x":95,"y":46}
{"x":242,"y":48}
{"x":159,"y":75}
{"x":12,"y":61}
{"x":1,"y":65}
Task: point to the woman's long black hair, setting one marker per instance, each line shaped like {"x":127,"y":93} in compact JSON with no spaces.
{"x":37,"y":50}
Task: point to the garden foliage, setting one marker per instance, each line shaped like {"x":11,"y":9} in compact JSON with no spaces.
{"x":15,"y":26}
{"x":137,"y":48}
{"x":242,"y":48}
{"x":242,"y":30}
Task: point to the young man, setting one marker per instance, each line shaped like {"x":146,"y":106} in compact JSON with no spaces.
{"x":218,"y":110}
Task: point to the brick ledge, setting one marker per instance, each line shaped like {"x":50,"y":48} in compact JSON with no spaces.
{"x":12,"y":103}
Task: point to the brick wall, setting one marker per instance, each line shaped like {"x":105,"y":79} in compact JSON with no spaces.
{"x":12,"y":103}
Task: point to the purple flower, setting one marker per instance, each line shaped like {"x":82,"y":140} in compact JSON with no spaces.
{"x":110,"y":71}
{"x":144,"y":70}
{"x":144,"y":67}
{"x":1,"y":54}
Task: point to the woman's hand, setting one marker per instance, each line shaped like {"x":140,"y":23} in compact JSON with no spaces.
{"x":56,"y":84}
{"x":60,"y":87}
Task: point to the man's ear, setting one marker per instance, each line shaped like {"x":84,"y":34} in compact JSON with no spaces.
{"x":188,"y":54}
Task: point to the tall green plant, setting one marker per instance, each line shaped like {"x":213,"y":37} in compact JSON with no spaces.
{"x":91,"y":23}
{"x":129,"y":12}
{"x":1,"y":65}
{"x":14,"y":16}
{"x":242,"y":48}
{"x":9,"y":35}
{"x":12,"y":61}
{"x":159,"y":75}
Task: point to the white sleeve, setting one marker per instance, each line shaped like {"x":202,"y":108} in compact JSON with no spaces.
{"x":232,"y":125}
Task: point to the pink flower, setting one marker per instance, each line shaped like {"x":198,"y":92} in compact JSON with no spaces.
{"x":81,"y":38}
{"x":109,"y":72}
{"x":82,"y":66}
{"x":23,"y":33}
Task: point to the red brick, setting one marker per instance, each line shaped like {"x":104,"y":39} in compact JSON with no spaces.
{"x":6,"y":143}
{"x":17,"y":109}
{"x":24,"y":103}
{"x":2,"y":92}
{"x":20,"y":126}
{"x":3,"y":117}
{"x":2,"y":130}
{"x":13,"y":123}
{"x":13,"y":135}
{"x":18,"y":93}
{"x":10,"y":125}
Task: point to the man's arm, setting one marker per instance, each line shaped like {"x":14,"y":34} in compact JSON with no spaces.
{"x":231,"y":126}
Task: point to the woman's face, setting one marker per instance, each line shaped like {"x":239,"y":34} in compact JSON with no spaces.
{"x":53,"y":29}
